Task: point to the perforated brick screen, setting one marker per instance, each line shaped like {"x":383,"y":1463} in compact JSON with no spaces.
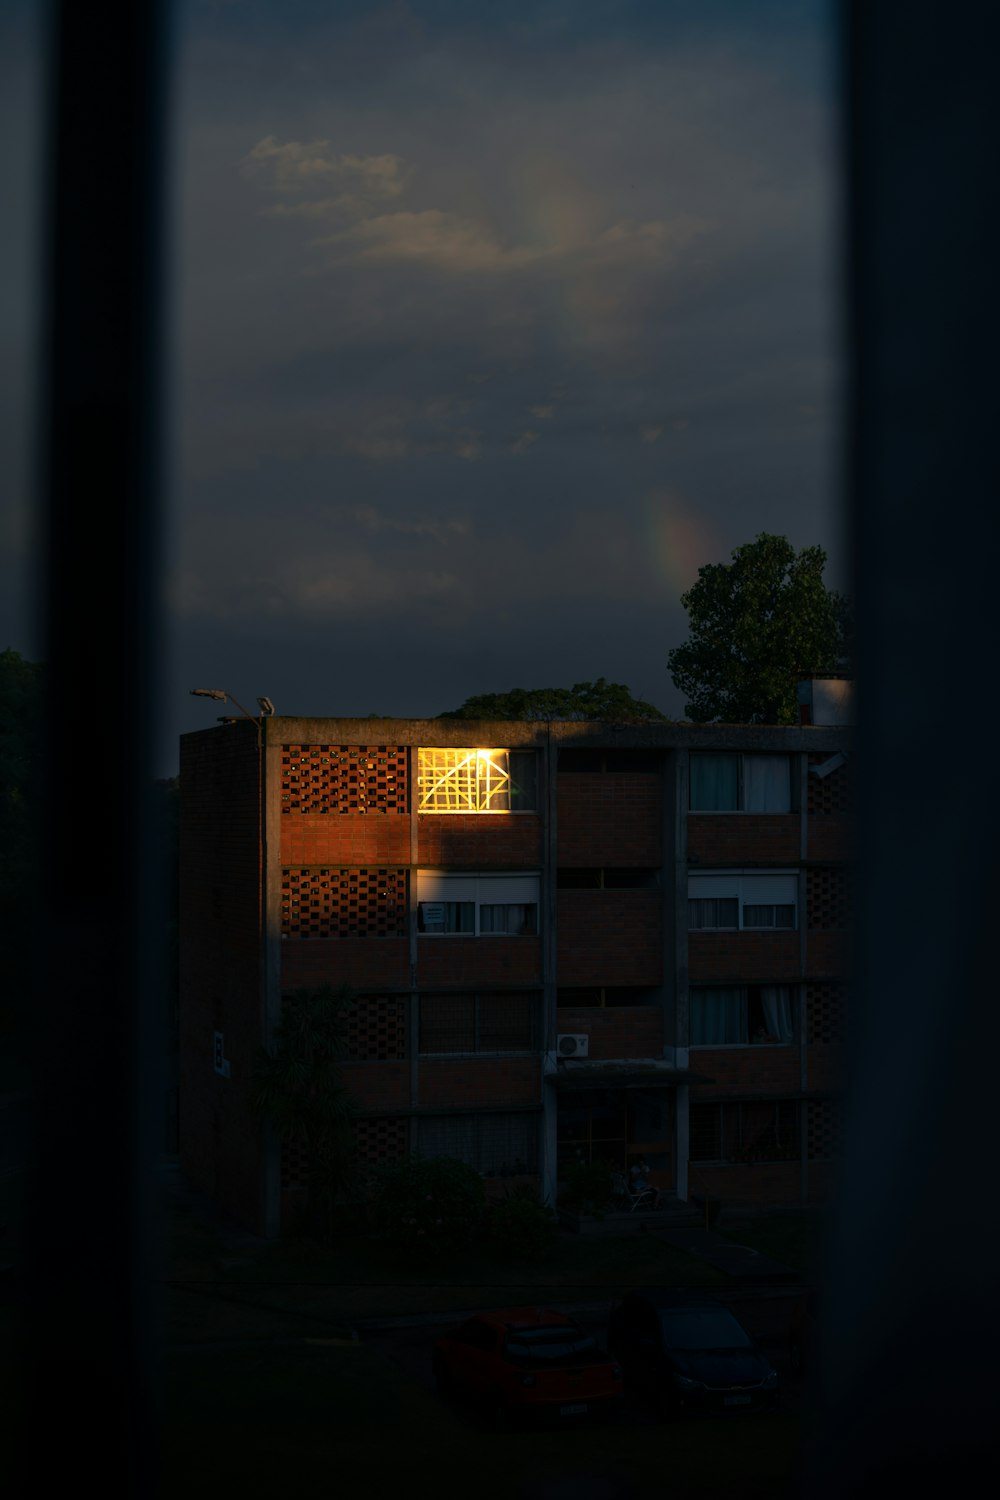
{"x":824,"y":1130}
{"x":826,"y":1010}
{"x":833,"y":793}
{"x":376,"y":1029}
{"x":329,"y":903}
{"x":343,"y":779}
{"x":828,"y":899}
{"x":380,"y":1140}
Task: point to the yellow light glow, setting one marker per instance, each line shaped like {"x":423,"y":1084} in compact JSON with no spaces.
{"x":463,"y":781}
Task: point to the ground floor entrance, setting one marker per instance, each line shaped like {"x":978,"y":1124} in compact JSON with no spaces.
{"x":617,"y":1127}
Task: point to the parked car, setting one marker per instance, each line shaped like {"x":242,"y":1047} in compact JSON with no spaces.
{"x":688,"y":1354}
{"x":524,"y":1361}
{"x":804,"y":1333}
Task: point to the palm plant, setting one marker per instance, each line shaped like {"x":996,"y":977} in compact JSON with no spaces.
{"x":299,"y":1091}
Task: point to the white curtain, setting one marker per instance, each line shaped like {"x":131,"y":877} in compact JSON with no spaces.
{"x":776,"y":1003}
{"x":767,"y":785}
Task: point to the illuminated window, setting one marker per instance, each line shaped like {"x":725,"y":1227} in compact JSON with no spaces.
{"x":476,"y":781}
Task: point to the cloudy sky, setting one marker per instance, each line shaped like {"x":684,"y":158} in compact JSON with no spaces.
{"x":489,"y":326}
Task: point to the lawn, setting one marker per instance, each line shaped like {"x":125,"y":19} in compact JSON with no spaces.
{"x":794,"y":1239}
{"x":362,"y":1277}
{"x":301,"y":1420}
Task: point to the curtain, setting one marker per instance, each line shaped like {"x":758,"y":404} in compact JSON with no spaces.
{"x":776,"y":1003}
{"x":718,"y":1017}
{"x":508,"y":917}
{"x":767,"y":785}
{"x":714,"y":783}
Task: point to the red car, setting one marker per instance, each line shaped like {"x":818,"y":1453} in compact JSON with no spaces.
{"x":524,"y":1361}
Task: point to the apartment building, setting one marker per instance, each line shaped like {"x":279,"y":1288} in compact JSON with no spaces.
{"x":569,"y":941}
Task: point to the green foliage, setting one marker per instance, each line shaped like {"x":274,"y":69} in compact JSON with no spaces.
{"x":607,"y":702}
{"x":519,"y":1227}
{"x":587,"y":1188}
{"x":758,"y":624}
{"x":299,"y":1091}
{"x":427,"y":1206}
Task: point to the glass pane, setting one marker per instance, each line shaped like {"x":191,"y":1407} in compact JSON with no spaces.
{"x":506,"y":1023}
{"x":705,"y":1132}
{"x":769,"y":916}
{"x":523,"y":780}
{"x":710,"y":911}
{"x":447,"y":1023}
{"x":767,"y":783}
{"x":718,"y":1016}
{"x":714,"y":782}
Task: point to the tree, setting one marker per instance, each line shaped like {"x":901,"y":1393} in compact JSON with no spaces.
{"x":607,"y":702}
{"x":759,"y":624}
{"x":299,"y":1091}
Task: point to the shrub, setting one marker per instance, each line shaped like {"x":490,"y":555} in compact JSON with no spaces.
{"x":519,"y":1227}
{"x":587,"y":1188}
{"x":428,"y":1205}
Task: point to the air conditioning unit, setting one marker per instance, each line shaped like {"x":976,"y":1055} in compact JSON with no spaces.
{"x":572,"y":1046}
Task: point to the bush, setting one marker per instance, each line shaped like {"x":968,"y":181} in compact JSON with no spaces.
{"x":426,"y":1206}
{"x":519,"y":1227}
{"x":587,"y":1188}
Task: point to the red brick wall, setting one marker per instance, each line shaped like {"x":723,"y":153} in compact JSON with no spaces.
{"x":472,"y":1082}
{"x":761,"y":1182}
{"x":480,"y":840}
{"x":830,"y":836}
{"x":610,"y":937}
{"x":621,"y":1031}
{"x":349,"y":839}
{"x":367,"y":963}
{"x":827,"y":953}
{"x":825,"y":1063}
{"x":744,"y":1070}
{"x":219,"y":964}
{"x":734,"y":838}
{"x":478,"y":962}
{"x":742,"y":957}
{"x":609,"y":818}
{"x":378,"y":1085}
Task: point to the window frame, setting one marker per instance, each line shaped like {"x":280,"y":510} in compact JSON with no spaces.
{"x":477,"y":997}
{"x":486,"y":762}
{"x":746,"y":1154}
{"x":480,"y":889}
{"x":794,"y":1000}
{"x":741,"y":783}
{"x":730,"y":884}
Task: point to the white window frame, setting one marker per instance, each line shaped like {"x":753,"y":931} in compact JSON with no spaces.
{"x":750,"y":888}
{"x":741,"y":783}
{"x":516,"y":889}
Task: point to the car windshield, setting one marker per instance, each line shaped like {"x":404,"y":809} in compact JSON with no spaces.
{"x":710,"y":1328}
{"x":548,"y":1344}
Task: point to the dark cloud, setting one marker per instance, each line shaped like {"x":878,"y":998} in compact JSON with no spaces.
{"x":487,"y":330}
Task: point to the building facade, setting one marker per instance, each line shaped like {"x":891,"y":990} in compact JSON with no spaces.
{"x":569,"y":941}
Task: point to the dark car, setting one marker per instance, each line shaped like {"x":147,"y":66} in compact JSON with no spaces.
{"x":523,"y":1361}
{"x":687,"y":1354}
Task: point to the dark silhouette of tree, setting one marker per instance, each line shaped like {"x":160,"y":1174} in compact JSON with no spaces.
{"x":608,"y":702}
{"x":759,"y":624}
